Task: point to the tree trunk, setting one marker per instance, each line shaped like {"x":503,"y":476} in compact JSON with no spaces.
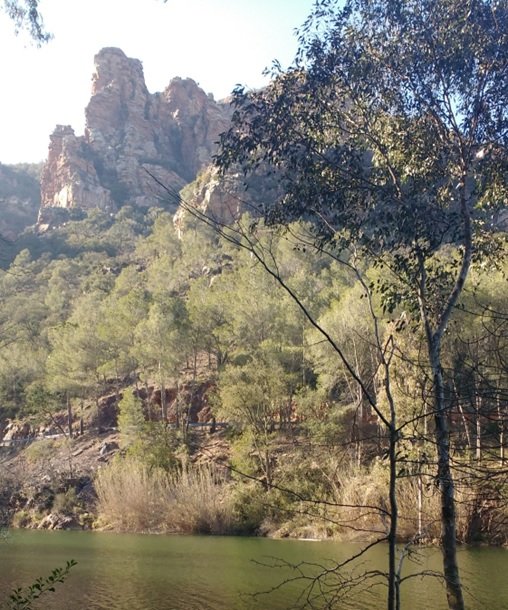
{"x":419,"y":500}
{"x":463,"y":416}
{"x":69,"y":415}
{"x":177,"y":405}
{"x":446,"y":484}
{"x":466,"y":426}
{"x":393,"y":437}
{"x":117,"y":384}
{"x":393,"y":579}
{"x":434,"y":338}
{"x":478,"y":410}
{"x":148,"y":400}
{"x":81,"y":420}
{"x":501,"y":421}
{"x":164,"y":408}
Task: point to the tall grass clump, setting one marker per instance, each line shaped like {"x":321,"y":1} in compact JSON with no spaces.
{"x":134,"y":497}
{"x":199,"y":502}
{"x":360,"y":496}
{"x":130,"y":496}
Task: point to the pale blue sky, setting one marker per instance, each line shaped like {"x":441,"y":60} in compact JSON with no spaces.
{"x":218,"y":43}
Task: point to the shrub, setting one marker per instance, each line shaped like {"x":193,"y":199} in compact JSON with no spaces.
{"x":130,"y":418}
{"x":41,"y":451}
{"x":21,"y":518}
{"x":158,"y":446}
{"x":66,"y":503}
{"x":249,"y":507}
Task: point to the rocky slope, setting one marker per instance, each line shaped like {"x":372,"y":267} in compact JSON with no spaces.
{"x":134,"y":141}
{"x":47,"y":478}
{"x":19,"y":198}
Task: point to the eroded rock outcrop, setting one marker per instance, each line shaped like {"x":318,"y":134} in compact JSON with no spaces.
{"x":131,"y":136}
{"x":69,"y":178}
{"x":224,"y":198}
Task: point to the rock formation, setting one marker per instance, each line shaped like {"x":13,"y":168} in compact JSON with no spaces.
{"x":131,"y":136}
{"x":69,"y":177}
{"x":224,"y":198}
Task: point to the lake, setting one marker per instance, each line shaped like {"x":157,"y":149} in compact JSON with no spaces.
{"x":136,"y":572}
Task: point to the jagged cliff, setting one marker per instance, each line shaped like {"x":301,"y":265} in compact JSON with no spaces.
{"x":130,"y":136}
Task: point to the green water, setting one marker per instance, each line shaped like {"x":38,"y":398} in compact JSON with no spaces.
{"x":133,"y":572}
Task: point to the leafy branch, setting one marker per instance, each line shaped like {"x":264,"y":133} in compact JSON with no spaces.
{"x":23,"y":598}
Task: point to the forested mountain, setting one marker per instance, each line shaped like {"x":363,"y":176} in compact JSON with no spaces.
{"x":121,"y":305}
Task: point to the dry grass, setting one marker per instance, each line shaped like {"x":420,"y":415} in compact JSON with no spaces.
{"x":199,"y":502}
{"x":361,"y":498}
{"x":130,"y":497}
{"x":133,"y":497}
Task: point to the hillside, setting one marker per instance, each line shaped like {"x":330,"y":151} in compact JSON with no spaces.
{"x":111,"y":306}
{"x":125,"y":322}
{"x":19,"y":198}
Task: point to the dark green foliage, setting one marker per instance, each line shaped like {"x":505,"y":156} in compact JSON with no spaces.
{"x":76,"y":232}
{"x":130,"y":419}
{"x":40,"y":401}
{"x":371,"y":145}
{"x":159,"y":447}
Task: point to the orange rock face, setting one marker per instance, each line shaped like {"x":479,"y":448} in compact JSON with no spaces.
{"x":131,"y":136}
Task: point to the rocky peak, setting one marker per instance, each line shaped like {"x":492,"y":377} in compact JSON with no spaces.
{"x":114,"y":71}
{"x":119,"y":99}
{"x":200,"y":120}
{"x":130,"y":136}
